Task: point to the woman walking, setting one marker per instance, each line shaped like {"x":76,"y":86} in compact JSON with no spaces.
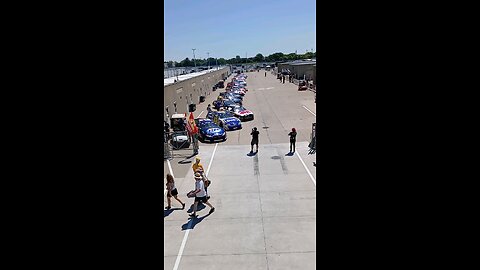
{"x":293,"y":138}
{"x":172,"y":191}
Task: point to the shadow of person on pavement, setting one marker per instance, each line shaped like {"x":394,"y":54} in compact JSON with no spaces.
{"x":200,"y":206}
{"x":192,"y":222}
{"x":169,"y":211}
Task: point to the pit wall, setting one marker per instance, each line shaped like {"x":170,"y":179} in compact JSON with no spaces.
{"x":189,"y":91}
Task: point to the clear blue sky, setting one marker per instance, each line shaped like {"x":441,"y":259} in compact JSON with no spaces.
{"x":227,"y":28}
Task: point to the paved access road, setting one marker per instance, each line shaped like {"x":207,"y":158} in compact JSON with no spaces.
{"x":265,"y":203}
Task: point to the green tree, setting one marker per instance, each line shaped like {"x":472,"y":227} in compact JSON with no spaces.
{"x":186,"y":63}
{"x":258,"y":57}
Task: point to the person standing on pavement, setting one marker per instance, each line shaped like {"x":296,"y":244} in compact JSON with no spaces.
{"x":200,"y":195}
{"x":265,"y":74}
{"x":293,"y":138}
{"x":167,"y":131}
{"x":172,"y":191}
{"x":254,"y":139}
{"x":283,"y":78}
{"x":209,"y":108}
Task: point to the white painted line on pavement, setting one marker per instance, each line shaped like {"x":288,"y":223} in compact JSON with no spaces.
{"x":308,"y":110}
{"x":189,"y":225}
{"x":170,"y":168}
{"x":184,"y":241}
{"x":200,"y":114}
{"x":269,"y":88}
{"x":308,"y":171}
{"x":211,"y":160}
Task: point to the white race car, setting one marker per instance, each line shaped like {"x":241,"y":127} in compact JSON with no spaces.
{"x":241,"y":113}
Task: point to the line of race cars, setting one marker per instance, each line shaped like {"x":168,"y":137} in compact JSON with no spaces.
{"x":229,"y":113}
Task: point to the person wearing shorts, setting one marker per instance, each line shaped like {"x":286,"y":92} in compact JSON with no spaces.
{"x":254,"y":139}
{"x":200,"y":195}
{"x":172,"y":192}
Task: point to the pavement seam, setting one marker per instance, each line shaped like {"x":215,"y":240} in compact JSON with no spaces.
{"x":263,"y":119}
{"x":236,"y":254}
{"x":273,"y":111}
{"x":263,"y":223}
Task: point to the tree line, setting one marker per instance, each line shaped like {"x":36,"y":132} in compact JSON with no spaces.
{"x":239,"y":60}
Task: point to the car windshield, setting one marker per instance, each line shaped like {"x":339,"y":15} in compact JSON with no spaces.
{"x":225,"y":115}
{"x":203,"y":123}
{"x":210,"y":125}
{"x":240,"y":108}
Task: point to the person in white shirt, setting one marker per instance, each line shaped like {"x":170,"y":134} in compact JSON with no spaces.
{"x":200,"y":195}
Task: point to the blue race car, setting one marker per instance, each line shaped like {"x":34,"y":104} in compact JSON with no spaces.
{"x":208,"y":131}
{"x":235,"y":100}
{"x":227,"y":120}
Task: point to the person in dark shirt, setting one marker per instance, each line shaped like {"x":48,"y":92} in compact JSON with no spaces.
{"x":167,"y":131}
{"x":181,"y":124}
{"x":254,"y":139}
{"x":293,"y":138}
{"x":167,"y":127}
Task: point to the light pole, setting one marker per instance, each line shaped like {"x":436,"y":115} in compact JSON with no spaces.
{"x":208,"y":58}
{"x":194,"y":58}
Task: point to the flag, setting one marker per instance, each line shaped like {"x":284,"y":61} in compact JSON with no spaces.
{"x":191,"y":127}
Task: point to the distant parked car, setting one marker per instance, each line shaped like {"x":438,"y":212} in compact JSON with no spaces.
{"x":227,"y":120}
{"x":242,"y":113}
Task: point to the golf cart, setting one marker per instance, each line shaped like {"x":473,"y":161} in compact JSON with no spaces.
{"x":180,"y":138}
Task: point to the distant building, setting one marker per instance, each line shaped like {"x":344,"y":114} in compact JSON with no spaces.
{"x":299,"y":68}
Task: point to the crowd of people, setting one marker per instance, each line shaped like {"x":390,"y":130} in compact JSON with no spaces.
{"x":200,"y":193}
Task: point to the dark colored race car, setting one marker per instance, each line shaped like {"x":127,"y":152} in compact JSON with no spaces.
{"x":241,"y":113}
{"x":227,"y":120}
{"x":234,"y":99}
{"x":208,"y":131}
{"x":224,"y":104}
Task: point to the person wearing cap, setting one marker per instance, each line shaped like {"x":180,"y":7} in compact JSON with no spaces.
{"x":293,"y":138}
{"x":200,"y":195}
{"x":197,"y":167}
